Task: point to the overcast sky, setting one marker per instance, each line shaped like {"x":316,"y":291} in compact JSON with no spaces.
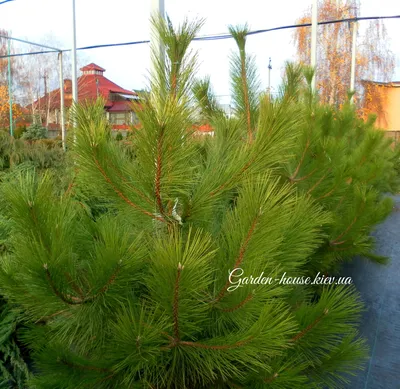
{"x":105,"y":21}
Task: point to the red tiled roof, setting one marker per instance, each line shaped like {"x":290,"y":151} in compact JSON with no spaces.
{"x":120,"y":106}
{"x":93,"y":66}
{"x":204,"y":128}
{"x":90,"y":86}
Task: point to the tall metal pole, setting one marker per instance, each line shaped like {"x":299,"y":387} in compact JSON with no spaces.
{"x":314,"y":25}
{"x":269,"y":77}
{"x":62,"y":114}
{"x":10,"y":101}
{"x":353,"y":61}
{"x":158,"y":8}
{"x":74,"y":65}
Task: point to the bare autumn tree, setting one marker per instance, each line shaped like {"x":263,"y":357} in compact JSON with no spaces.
{"x":374,"y":59}
{"x":39,"y":77}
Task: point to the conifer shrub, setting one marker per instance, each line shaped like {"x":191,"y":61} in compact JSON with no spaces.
{"x":35,"y":131}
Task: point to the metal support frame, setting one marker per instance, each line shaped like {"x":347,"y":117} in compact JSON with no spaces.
{"x":158,"y":8}
{"x":62,"y":113}
{"x":269,"y":77}
{"x":314,"y":26}
{"x":60,"y":57}
{"x":10,"y":101}
{"x":353,"y":61}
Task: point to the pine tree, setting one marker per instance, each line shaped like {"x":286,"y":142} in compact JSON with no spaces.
{"x":341,"y":161}
{"x":145,"y":293}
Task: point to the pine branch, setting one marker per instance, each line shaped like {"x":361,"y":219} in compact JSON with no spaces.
{"x":327,"y":194}
{"x":319,"y":181}
{"x":123,"y":197}
{"x":335,"y":241}
{"x":215,"y":347}
{"x":176,"y":302}
{"x":234,"y":178}
{"x":240,"y":305}
{"x":75,"y":287}
{"x":157,"y":179}
{"x":83,"y":367}
{"x":125,"y":181}
{"x":300,"y":162}
{"x":271,"y":379}
{"x":311,"y":326}
{"x":71,"y":300}
{"x":240,"y":257}
{"x":239,"y":35}
{"x":304,"y":177}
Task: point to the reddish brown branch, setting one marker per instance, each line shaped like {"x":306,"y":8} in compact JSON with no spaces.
{"x":75,"y":287}
{"x":70,"y":186}
{"x":110,"y":281}
{"x":341,"y":248}
{"x":234,"y":178}
{"x":304,"y":177}
{"x":301,"y":161}
{"x":240,"y":257}
{"x":82,"y":367}
{"x":73,"y":300}
{"x":123,"y":197}
{"x":340,"y":202}
{"x":335,"y":241}
{"x":125,"y":181}
{"x":67,"y":299}
{"x":271,"y":379}
{"x":157,"y":180}
{"x":216,"y":347}
{"x":162,"y":332}
{"x":318,"y":182}
{"x":246,"y":97}
{"x":328,"y":193}
{"x":310,"y":327}
{"x":240,"y":305}
{"x":176,"y":302}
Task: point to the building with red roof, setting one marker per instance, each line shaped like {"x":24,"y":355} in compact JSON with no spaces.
{"x":91,"y":85}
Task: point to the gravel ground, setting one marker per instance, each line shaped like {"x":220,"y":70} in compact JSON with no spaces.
{"x":379,"y":286}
